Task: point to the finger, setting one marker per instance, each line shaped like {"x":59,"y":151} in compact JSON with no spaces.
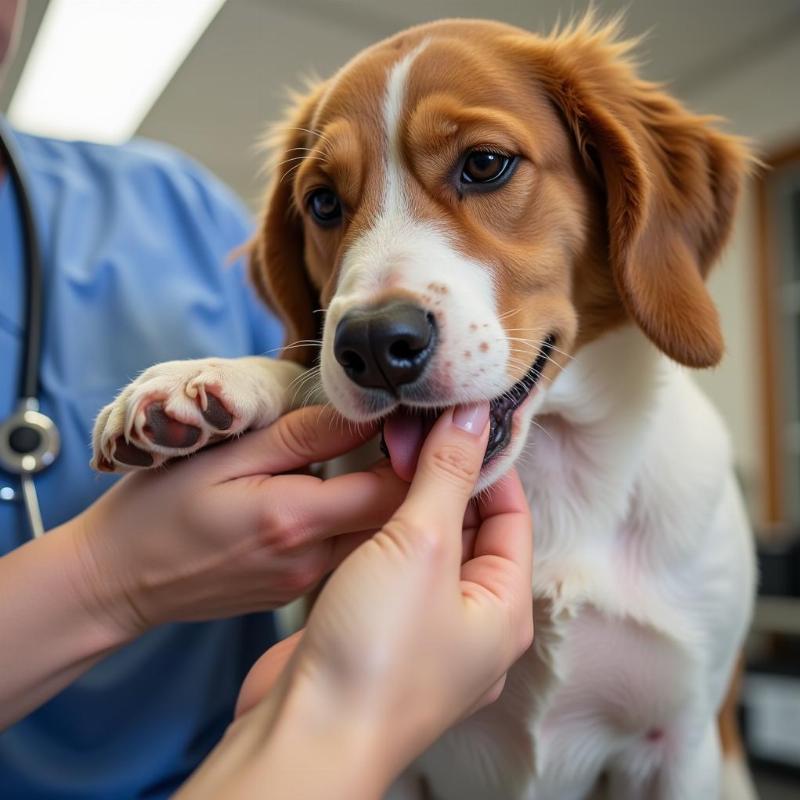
{"x":265,"y":672}
{"x":293,"y":441}
{"x":356,"y":502}
{"x":503,"y":548}
{"x":504,"y":504}
{"x":468,"y":544}
{"x":308,"y":509}
{"x":342,"y":546}
{"x":472,"y":517}
{"x":345,"y":544}
{"x":469,"y":530}
{"x":448,"y":468}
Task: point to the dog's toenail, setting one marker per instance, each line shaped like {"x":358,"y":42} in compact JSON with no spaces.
{"x":104,"y":465}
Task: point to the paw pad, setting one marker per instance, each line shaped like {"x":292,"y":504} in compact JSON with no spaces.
{"x":129,"y":454}
{"x":164,"y":430}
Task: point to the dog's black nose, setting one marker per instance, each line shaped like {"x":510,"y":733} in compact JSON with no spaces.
{"x":385,"y":347}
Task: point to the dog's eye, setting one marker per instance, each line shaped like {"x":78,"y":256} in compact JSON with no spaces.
{"x":485,"y":167}
{"x":325,"y":207}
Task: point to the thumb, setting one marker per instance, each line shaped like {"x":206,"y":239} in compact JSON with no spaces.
{"x":448,"y":468}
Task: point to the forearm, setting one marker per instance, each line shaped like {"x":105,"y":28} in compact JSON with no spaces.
{"x":53,"y":625}
{"x":291,"y":747}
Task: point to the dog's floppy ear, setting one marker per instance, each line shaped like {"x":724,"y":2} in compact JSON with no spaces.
{"x":671,"y":184}
{"x":277,"y":260}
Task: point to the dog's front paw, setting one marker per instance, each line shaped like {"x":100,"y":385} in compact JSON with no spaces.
{"x":176,"y":408}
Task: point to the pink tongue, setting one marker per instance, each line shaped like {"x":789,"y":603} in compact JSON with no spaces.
{"x":404,"y":433}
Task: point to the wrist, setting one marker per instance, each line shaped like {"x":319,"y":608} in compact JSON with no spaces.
{"x":322,"y":747}
{"x":353,"y":748}
{"x":98,"y":579}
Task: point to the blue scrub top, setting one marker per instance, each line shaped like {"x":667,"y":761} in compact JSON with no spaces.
{"x":135,"y":241}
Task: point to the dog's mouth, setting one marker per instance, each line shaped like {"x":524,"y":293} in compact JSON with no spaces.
{"x":404,"y":430}
{"x":502,"y":408}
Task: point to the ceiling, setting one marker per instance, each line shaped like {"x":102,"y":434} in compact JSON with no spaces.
{"x":235,"y":79}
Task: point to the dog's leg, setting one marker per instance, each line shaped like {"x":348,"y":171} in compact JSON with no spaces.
{"x":737,"y":783}
{"x":681,"y":767}
{"x":692,"y":768}
{"x":178,"y":407}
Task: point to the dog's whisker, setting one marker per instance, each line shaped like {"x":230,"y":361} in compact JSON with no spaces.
{"x":307,"y":390}
{"x":542,"y":429}
{"x":562,"y":352}
{"x":298,"y":346}
{"x":308,"y":387}
{"x":299,"y":158}
{"x":322,"y":410}
{"x":302,"y":343}
{"x":291,"y":170}
{"x":316,"y":133}
{"x":313,"y":372}
{"x":290,"y":159}
{"x":508,"y":313}
{"x":305,"y":382}
{"x":532,"y":342}
{"x":293,"y":346}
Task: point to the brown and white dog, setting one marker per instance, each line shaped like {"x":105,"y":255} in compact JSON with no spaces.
{"x":486,"y":214}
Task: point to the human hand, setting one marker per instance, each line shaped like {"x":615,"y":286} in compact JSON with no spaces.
{"x":410,"y":635}
{"x":225,"y":532}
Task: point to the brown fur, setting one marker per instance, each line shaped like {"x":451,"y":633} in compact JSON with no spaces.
{"x":671,"y":184}
{"x":276,"y":252}
{"x":620,"y":204}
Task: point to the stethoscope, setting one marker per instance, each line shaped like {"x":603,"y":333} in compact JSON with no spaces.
{"x":29,"y":440}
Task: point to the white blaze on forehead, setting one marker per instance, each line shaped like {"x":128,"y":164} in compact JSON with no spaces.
{"x":393,"y":196}
{"x":418,"y":257}
{"x":382,"y":248}
{"x":398,"y":249}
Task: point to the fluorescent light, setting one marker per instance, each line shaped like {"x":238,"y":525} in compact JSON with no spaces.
{"x":97,"y":66}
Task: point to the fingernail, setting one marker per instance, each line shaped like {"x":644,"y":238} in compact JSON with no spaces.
{"x":471,"y":419}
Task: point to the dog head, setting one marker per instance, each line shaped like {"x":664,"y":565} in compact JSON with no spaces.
{"x":470,"y":204}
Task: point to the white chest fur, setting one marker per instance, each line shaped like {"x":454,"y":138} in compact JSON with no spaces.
{"x":643,"y":583}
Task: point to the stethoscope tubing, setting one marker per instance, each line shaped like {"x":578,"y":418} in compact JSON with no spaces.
{"x":29,"y":440}
{"x":29,"y":368}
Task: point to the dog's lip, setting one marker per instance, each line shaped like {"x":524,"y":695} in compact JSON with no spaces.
{"x":501,"y":408}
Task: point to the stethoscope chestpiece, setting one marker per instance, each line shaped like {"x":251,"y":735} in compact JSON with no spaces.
{"x":29,"y":440}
